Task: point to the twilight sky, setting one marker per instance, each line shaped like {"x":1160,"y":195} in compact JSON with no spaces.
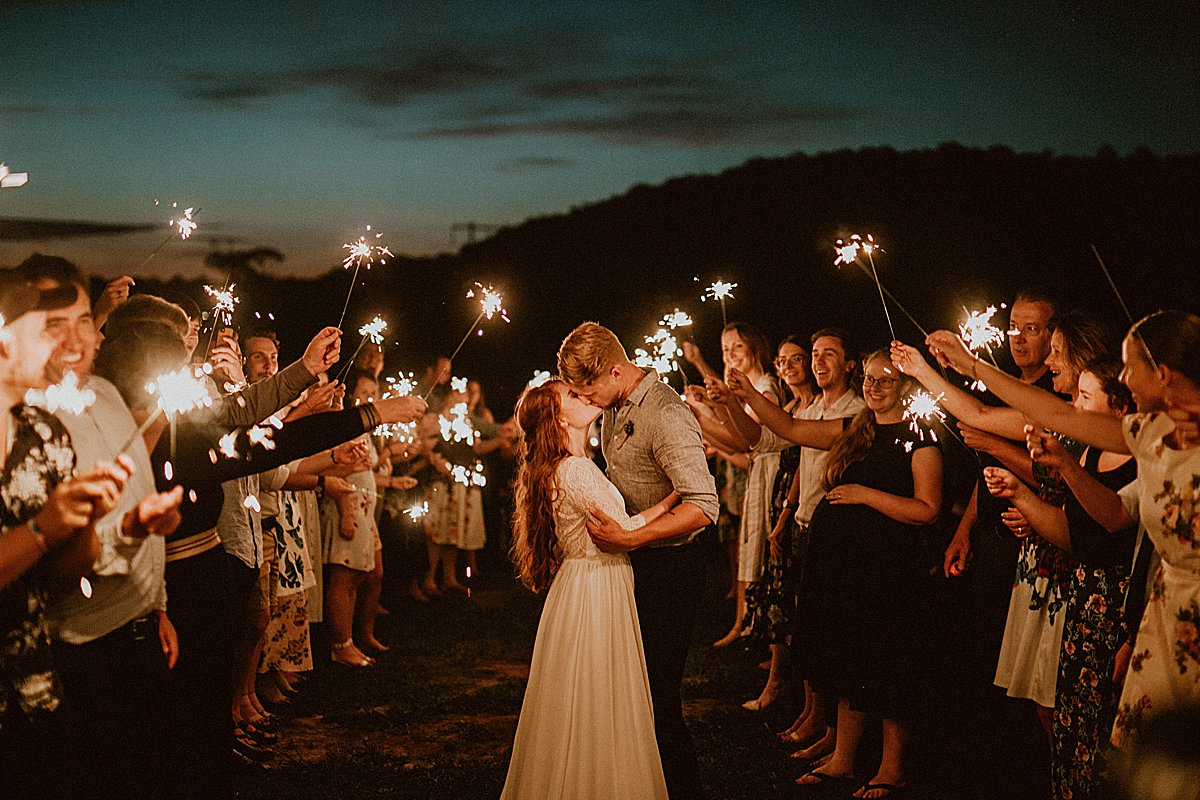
{"x":293,"y":125}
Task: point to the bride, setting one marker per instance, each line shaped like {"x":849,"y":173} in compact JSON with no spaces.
{"x":587,"y":725}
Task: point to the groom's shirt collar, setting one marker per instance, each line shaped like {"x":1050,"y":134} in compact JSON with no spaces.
{"x":639,"y":392}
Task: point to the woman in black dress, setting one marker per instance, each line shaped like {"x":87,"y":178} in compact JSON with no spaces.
{"x":862,"y":596}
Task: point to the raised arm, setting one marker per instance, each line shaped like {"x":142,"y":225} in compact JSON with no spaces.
{"x":818,"y":433}
{"x":1101,"y":503}
{"x":1098,"y":430}
{"x":965,"y":406}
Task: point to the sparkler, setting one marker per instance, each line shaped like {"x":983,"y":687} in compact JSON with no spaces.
{"x":224,"y":304}
{"x":399,"y":386}
{"x":719,"y":290}
{"x":662,"y":355}
{"x":417,"y":511}
{"x":1124,"y":307}
{"x":177,"y":393}
{"x":361,"y":253}
{"x":261,"y":436}
{"x":922,"y":407}
{"x":848,"y":251}
{"x":540,"y":376}
{"x":468,"y":476}
{"x":978,"y":332}
{"x":184,"y":226}
{"x":373,"y":332}
{"x":457,"y":427}
{"x":491,"y":304}
{"x":64,"y":395}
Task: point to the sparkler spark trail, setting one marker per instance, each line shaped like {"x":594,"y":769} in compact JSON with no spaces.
{"x":457,"y":427}
{"x":373,"y":332}
{"x":922,"y":407}
{"x":719,"y":290}
{"x":228,"y":444}
{"x":458,"y":384}
{"x":676,"y":319}
{"x":64,"y":395}
{"x":540,"y":376}
{"x":176,"y":393}
{"x":361,"y":253}
{"x":222,"y":311}
{"x":978,"y":333}
{"x":662,"y":355}
{"x":261,"y":436}
{"x":491,"y":304}
{"x":417,"y":511}
{"x":848,"y":251}
{"x":185,"y":226}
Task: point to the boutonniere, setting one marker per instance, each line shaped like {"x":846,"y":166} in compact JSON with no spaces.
{"x":629,"y":428}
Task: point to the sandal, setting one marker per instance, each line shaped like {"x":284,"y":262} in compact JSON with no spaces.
{"x":829,"y":781}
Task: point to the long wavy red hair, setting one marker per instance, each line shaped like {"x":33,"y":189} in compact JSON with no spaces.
{"x":542,"y":446}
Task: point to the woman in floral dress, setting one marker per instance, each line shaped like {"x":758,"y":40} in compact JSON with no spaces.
{"x":1161,"y":354}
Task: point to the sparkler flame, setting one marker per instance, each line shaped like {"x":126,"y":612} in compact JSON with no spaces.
{"x":922,"y":407}
{"x":374,"y":329}
{"x":848,"y":249}
{"x":718,"y":290}
{"x":402,"y":385}
{"x":676,"y":319}
{"x":540,"y":376}
{"x":363,"y":253}
{"x":228,"y":445}
{"x":457,"y":427}
{"x":662,"y":355}
{"x":64,"y":395}
{"x":417,"y":511}
{"x":978,"y":332}
{"x":262,"y":437}
{"x":468,"y":476}
{"x":185,"y":225}
{"x":180,"y":392}
{"x":490,"y":301}
{"x":458,"y":384}
{"x":225,"y":301}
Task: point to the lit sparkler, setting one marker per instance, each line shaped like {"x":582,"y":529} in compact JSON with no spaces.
{"x":719,"y":290}
{"x":468,"y":476}
{"x":360,"y":253}
{"x":400,"y":386}
{"x":417,"y":511}
{"x":848,"y":251}
{"x":921,"y":408}
{"x":457,"y":427}
{"x":676,"y":319}
{"x":540,"y":376}
{"x":458,"y":385}
{"x":662,"y":355}
{"x":62,"y":396}
{"x":175,"y":393}
{"x":224,"y":304}
{"x":491,"y":304}
{"x":185,"y":226}
{"x":262,"y":437}
{"x":373,"y":332}
{"x":228,"y":445}
{"x":978,"y":332}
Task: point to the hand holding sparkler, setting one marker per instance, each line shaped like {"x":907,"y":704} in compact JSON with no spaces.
{"x":979,"y":440}
{"x":78,"y":502}
{"x":950,"y":351}
{"x":740,"y":384}
{"x":226,"y":360}
{"x":1045,"y":448}
{"x":318,"y":399}
{"x":155,"y":515}
{"x":400,"y":409}
{"x":718,"y":392}
{"x":114,"y":294}
{"x":323,"y":351}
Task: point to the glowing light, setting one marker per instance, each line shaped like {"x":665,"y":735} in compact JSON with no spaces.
{"x":168,"y":470}
{"x":540,"y":376}
{"x":262,"y":437}
{"x":374,"y":330}
{"x":593,"y":442}
{"x":848,"y":249}
{"x":922,"y":407}
{"x":402,"y":385}
{"x":251,"y":502}
{"x":490,"y":301}
{"x":225,"y":301}
{"x":662,"y":355}
{"x":458,"y":384}
{"x":676,"y":319}
{"x":85,"y":586}
{"x":978,"y":332}
{"x":364,"y":253}
{"x":468,"y":476}
{"x":185,"y":224}
{"x":457,"y":427}
{"x":192,"y":495}
{"x":62,"y":396}
{"x":228,"y":445}
{"x":718,"y":290}
{"x":180,"y":392}
{"x":417,"y":511}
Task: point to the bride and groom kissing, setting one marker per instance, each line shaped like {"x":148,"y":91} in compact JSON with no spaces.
{"x":602,"y":715}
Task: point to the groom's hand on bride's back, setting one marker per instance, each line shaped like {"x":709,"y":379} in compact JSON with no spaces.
{"x":607,"y":533}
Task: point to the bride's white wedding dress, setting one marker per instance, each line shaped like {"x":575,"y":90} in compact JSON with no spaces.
{"x":587,"y":724}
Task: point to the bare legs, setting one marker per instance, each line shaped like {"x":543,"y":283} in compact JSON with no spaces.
{"x":774,"y":685}
{"x":340,"y":597}
{"x":736,"y":630}
{"x":367,"y":606}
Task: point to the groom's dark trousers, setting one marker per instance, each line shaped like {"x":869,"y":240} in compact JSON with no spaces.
{"x":668,"y":588}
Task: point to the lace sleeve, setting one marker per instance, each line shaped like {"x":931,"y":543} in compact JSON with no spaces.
{"x":587,"y":487}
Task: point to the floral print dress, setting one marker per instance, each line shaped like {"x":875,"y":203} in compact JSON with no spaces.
{"x":41,"y":458}
{"x":1165,"y":669}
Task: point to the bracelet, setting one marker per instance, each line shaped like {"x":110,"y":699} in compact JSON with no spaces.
{"x":39,"y":538}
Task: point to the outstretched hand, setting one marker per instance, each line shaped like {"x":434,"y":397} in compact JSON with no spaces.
{"x":950,"y":351}
{"x":323,"y":351}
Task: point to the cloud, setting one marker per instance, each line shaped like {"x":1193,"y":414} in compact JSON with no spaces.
{"x":534,"y":163}
{"x":689,"y":127}
{"x":21,"y":230}
{"x":19,"y":108}
{"x":603,"y":87}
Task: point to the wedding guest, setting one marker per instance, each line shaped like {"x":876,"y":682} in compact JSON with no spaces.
{"x":47,"y":539}
{"x":1085,"y":702}
{"x":1161,"y":354}
{"x":864,"y":611}
{"x":814,"y":428}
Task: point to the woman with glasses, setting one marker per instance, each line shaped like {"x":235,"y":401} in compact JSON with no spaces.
{"x":865,"y":609}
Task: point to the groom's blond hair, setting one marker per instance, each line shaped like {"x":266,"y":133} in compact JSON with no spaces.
{"x":588,"y":352}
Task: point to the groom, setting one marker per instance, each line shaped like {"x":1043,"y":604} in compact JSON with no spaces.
{"x":651,"y":443}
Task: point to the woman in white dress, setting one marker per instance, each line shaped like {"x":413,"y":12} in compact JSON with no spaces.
{"x":587,"y":724}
